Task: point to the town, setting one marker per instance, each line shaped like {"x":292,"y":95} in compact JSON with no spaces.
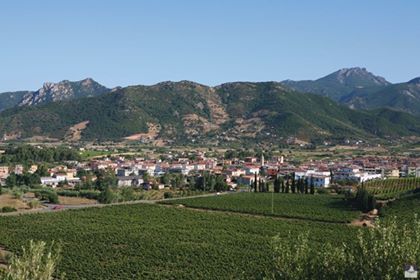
{"x":171,"y":172}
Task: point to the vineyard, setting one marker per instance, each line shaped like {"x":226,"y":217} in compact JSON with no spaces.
{"x":404,"y":209}
{"x":327,"y":208}
{"x":391,"y":188}
{"x":155,"y":242}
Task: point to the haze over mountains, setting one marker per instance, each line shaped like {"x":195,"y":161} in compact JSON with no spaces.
{"x":187,"y":112}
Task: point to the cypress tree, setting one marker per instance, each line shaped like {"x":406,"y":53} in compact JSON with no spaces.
{"x":306,"y":186}
{"x":282,"y":186}
{"x":255,"y":182}
{"x":293,"y":187}
{"x":287,"y":186}
{"x":312,"y":186}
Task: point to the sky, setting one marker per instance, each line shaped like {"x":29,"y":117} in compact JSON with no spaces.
{"x":128,"y":42}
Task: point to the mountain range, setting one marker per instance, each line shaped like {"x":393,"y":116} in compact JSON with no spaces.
{"x":359,"y":89}
{"x":187,"y":112}
{"x":52,"y":92}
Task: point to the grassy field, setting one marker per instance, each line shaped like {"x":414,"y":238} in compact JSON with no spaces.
{"x":156,"y":242}
{"x":326,"y":208}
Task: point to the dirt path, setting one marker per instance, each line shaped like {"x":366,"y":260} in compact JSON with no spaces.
{"x":3,"y":254}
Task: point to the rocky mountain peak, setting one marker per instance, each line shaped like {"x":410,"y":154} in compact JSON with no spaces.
{"x":64,"y":90}
{"x":356,"y":76}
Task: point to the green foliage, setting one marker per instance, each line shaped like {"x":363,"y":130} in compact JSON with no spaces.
{"x":318,"y":208}
{"x":403,"y":208}
{"x":377,"y":253}
{"x":155,"y":242}
{"x":107,"y":196}
{"x":25,"y":179}
{"x":128,"y":111}
{"x":364,"y":200}
{"x":38,"y":261}
{"x":37,"y":154}
{"x":211,"y":183}
{"x":168,"y":195}
{"x":7,"y":209}
{"x":48,"y":195}
{"x":392,"y":188}
{"x":105,"y":179}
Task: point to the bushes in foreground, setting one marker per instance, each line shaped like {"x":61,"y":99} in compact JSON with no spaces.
{"x":38,"y":261}
{"x":378,"y":253}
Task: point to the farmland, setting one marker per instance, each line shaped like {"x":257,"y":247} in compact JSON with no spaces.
{"x":151,"y":241}
{"x":404,"y":209}
{"x":392,"y":188}
{"x":326,"y":208}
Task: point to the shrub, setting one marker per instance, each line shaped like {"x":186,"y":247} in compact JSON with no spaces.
{"x":377,"y":253}
{"x":8,"y":209}
{"x":37,"y":262}
{"x":45,"y":194}
{"x":33,"y":204}
{"x":168,"y":195}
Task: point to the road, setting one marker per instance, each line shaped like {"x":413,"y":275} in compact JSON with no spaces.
{"x":53,"y":207}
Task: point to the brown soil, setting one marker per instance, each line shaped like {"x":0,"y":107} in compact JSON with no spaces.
{"x":65,"y":200}
{"x":75,"y":132}
{"x":9,"y":200}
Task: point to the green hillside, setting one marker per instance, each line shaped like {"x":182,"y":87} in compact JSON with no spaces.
{"x":186,"y":112}
{"x":340,"y":83}
{"x":403,"y":97}
{"x":11,"y":99}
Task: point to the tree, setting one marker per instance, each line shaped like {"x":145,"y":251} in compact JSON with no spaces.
{"x":127,"y":194}
{"x":255,"y":182}
{"x":312,"y":186}
{"x":293,"y":186}
{"x":277,"y":185}
{"x":282,"y":186}
{"x":306,"y":185}
{"x":287,"y":186}
{"x":106,"y":196}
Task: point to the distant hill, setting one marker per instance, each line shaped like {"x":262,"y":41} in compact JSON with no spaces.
{"x":11,"y":99}
{"x":340,"y":83}
{"x":403,"y":97}
{"x":52,"y":92}
{"x":187,"y":112}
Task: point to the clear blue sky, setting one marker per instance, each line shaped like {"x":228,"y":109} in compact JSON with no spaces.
{"x":209,"y":41}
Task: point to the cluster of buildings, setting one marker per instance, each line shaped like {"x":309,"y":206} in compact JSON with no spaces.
{"x":137,"y":172}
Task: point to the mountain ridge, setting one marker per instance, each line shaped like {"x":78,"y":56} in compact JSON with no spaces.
{"x":187,"y":112}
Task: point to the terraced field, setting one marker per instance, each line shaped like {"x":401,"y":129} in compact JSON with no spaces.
{"x":155,"y":242}
{"x":327,"y":208}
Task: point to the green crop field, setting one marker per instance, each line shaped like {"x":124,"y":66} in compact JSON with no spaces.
{"x":391,"y":188}
{"x":157,"y":242}
{"x":404,"y":209}
{"x":328,"y":208}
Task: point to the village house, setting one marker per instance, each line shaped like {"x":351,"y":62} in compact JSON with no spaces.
{"x":129,"y":181}
{"x":4,"y":172}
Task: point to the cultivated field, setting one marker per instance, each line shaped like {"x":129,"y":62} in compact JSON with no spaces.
{"x":326,"y":208}
{"x":157,"y":242}
{"x":392,"y":188}
{"x":404,"y":209}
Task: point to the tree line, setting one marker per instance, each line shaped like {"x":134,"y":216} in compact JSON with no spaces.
{"x":285,"y":184}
